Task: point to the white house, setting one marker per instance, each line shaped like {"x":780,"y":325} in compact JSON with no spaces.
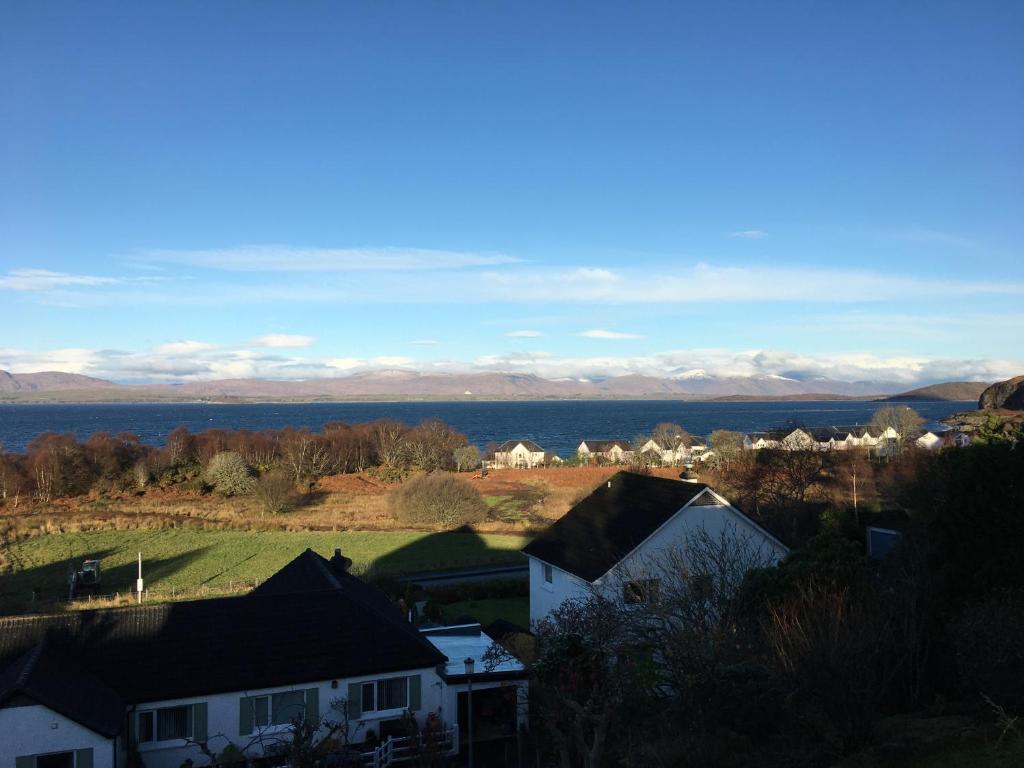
{"x":519,"y":454}
{"x":622,"y":525}
{"x":499,"y":696}
{"x":82,"y":689}
{"x":820,"y":438}
{"x":606,"y":451}
{"x":671,"y":452}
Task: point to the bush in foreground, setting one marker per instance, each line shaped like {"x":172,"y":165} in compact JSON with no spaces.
{"x":275,"y":492}
{"x":229,"y":475}
{"x":438,"y":499}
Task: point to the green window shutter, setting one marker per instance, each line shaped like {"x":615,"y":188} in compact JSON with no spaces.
{"x":355,"y":701}
{"x":133,"y":727}
{"x":313,"y":706}
{"x":83,"y":758}
{"x":199,"y":721}
{"x":244,"y":716}
{"x":25,"y":761}
{"x":414,"y":693}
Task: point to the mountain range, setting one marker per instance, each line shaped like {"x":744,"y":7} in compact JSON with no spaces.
{"x":54,"y":386}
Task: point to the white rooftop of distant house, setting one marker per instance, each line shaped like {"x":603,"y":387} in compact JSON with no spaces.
{"x":461,"y":642}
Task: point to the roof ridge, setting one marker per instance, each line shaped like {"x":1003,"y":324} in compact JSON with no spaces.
{"x":30,"y":663}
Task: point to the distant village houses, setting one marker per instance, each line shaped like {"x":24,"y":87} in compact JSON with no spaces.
{"x":819,"y":438}
{"x":681,"y":450}
{"x":520,"y":454}
{"x":605,"y":451}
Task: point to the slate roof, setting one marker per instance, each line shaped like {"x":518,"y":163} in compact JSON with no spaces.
{"x":610,"y":523}
{"x":284,"y":635}
{"x":47,"y":675}
{"x":603,"y":446}
{"x":508,"y":445}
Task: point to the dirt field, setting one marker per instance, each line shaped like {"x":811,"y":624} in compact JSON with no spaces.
{"x":520,"y":501}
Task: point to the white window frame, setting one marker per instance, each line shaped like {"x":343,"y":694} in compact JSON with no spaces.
{"x":547,"y":574}
{"x":374,"y":685}
{"x":156,"y":742}
{"x":270,"y":726}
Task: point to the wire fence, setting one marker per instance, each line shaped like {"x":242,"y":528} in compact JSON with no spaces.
{"x":95,"y":600}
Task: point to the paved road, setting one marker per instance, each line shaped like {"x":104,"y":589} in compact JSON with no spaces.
{"x":446,"y":578}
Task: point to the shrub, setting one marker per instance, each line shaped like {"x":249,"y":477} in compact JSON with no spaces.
{"x":229,"y":475}
{"x":438,"y":499}
{"x":275,"y":492}
{"x":989,"y":651}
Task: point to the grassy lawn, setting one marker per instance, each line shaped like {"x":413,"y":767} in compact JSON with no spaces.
{"x":187,"y":559}
{"x":514,"y":609}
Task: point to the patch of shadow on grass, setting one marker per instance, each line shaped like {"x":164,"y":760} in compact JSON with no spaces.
{"x":45,"y":587}
{"x":443,"y":551}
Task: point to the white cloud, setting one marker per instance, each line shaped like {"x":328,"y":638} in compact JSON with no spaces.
{"x":600,"y":333}
{"x":183,"y":347}
{"x":393,"y":361}
{"x":524,"y":284}
{"x":284,"y":258}
{"x":524,"y":334}
{"x":750,"y":234}
{"x":219,"y":363}
{"x":282,"y":340}
{"x":425,"y":342}
{"x":45,"y":280}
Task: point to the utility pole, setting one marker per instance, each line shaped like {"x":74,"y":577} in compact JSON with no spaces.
{"x":856,"y":514}
{"x":138,"y":581}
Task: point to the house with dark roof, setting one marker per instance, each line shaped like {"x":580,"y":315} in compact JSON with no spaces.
{"x":83,"y":689}
{"x":604,"y":541}
{"x":835,"y":438}
{"x":678,"y":450}
{"x":519,"y":454}
{"x":606,"y":451}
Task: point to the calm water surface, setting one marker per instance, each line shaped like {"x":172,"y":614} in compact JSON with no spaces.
{"x":557,"y":425}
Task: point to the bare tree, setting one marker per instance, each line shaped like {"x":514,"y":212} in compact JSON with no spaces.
{"x":684,"y":608}
{"x":467,"y":457}
{"x":902,"y":419}
{"x":727,"y":445}
{"x":389,"y":438}
{"x":275,"y":491}
{"x":835,"y":644}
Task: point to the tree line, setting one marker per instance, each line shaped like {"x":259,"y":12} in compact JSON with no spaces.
{"x":231,"y":462}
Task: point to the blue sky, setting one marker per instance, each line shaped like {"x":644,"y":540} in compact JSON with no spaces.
{"x":203,"y":190}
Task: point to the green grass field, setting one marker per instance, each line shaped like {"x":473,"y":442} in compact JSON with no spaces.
{"x":514,"y":609}
{"x":188,"y":559}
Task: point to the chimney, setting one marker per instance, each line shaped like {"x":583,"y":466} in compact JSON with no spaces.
{"x":339,"y":562}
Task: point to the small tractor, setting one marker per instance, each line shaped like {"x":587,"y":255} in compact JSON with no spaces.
{"x":84,"y":579}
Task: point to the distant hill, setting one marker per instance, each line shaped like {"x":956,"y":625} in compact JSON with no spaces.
{"x":1008,"y":395}
{"x":950,"y":390}
{"x":49,"y":381}
{"x":405,"y":384}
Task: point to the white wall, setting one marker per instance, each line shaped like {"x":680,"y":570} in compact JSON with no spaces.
{"x":223,"y":717}
{"x":35,"y":729}
{"x":545,"y":597}
{"x":714,"y":519}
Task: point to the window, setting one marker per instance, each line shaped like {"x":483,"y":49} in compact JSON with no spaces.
{"x":56,"y":760}
{"x":165,"y":724}
{"x":549,"y":574}
{"x":390,"y":693}
{"x":278,"y":708}
{"x":642,"y":591}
